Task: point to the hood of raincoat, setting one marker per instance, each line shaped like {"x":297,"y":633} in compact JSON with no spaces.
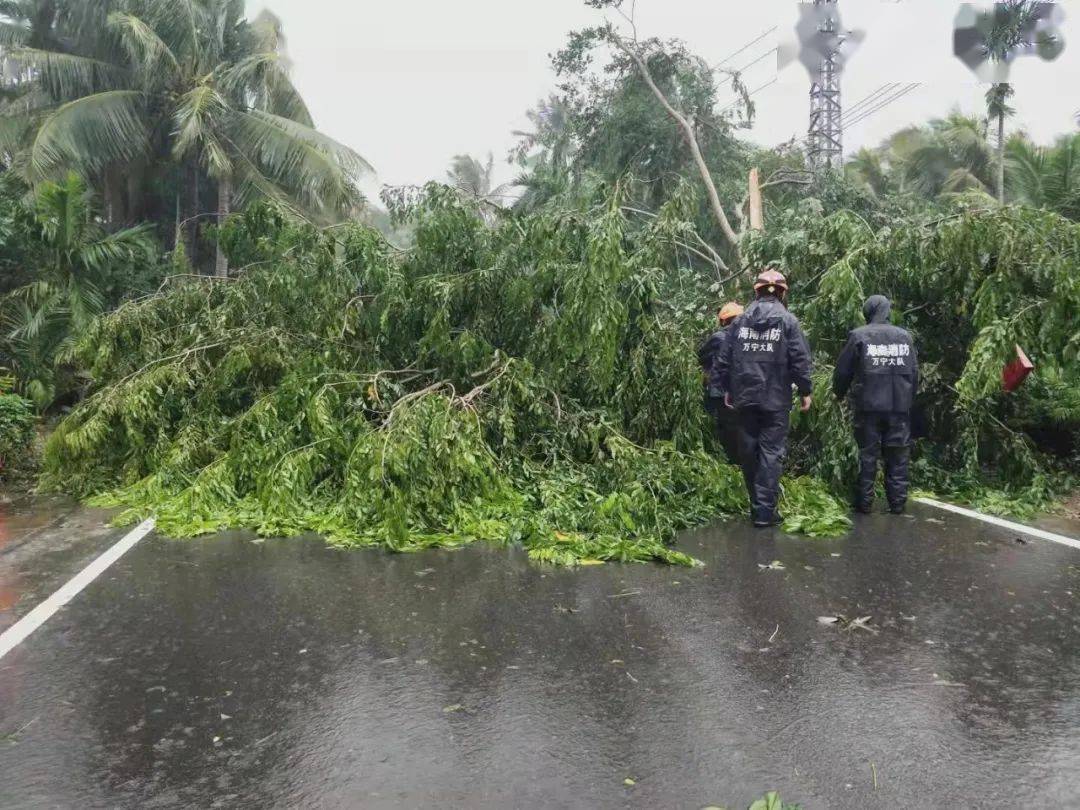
{"x":877,"y":309}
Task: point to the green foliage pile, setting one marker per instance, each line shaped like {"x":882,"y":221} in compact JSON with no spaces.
{"x":971,"y":287}
{"x":17,"y":421}
{"x":527,"y":382}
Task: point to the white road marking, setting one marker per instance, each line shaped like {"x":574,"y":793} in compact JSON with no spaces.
{"x":18,"y":632}
{"x":1005,"y":524}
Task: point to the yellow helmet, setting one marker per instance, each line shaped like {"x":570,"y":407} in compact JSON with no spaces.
{"x":730,"y":311}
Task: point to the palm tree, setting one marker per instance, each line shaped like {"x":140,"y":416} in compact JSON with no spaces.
{"x":546,"y":153}
{"x":949,"y":155}
{"x":475,"y":181}
{"x":550,"y":133}
{"x":1010,"y":21}
{"x":997,"y":108}
{"x":1046,"y":177}
{"x":869,"y":168}
{"x":196,"y":84}
{"x":42,"y":317}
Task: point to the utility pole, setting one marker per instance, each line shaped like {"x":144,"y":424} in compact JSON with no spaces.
{"x":826,"y":134}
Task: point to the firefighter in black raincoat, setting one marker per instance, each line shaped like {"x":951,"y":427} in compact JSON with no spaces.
{"x":725,"y":424}
{"x":879,"y":368}
{"x":766,"y":355}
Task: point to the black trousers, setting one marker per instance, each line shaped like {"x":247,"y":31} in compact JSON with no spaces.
{"x":763,"y":440}
{"x":725,"y":426}
{"x":888,"y":435}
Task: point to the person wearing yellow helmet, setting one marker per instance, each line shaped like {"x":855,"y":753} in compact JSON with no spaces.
{"x":725,"y":426}
{"x":767,"y":355}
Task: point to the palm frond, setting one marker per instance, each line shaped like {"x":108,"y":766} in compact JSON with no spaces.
{"x":184,"y":24}
{"x":144,"y":47}
{"x":317,"y":170}
{"x":469,"y":175}
{"x":66,"y":75}
{"x":867,"y":167}
{"x":344,"y":155}
{"x":250,"y":184}
{"x":199,"y":117}
{"x":89,"y":133}
{"x":20,"y":117}
{"x":262,"y":80}
{"x":12,"y":33}
{"x":268,"y":32}
{"x":62,"y":211}
{"x":37,"y":305}
{"x":1026,"y":166}
{"x":960,"y":180}
{"x":83,"y":302}
{"x":125,"y":245}
{"x":1064,"y":181}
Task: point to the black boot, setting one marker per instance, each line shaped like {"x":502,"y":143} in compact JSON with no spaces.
{"x":765,"y":522}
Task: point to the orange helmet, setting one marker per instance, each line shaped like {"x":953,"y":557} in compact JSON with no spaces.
{"x":730,"y":311}
{"x":772,"y":279}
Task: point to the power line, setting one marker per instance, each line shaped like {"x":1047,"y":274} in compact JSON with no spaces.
{"x":895,"y":97}
{"x":866,"y":101}
{"x":745,"y":47}
{"x":753,"y":92}
{"x":882,"y":103}
{"x":748,"y":66}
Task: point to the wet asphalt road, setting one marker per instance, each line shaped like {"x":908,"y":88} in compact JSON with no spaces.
{"x":225,"y":673}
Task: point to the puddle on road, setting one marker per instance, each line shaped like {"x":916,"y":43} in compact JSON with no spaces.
{"x":20,"y":519}
{"x":24,"y":515}
{"x":44,"y":540}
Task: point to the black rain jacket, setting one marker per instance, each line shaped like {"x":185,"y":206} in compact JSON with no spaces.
{"x":879,"y":366}
{"x":710,"y":350}
{"x":766,"y":354}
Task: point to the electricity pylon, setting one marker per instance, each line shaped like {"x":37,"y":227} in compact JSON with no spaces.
{"x":825,"y":141}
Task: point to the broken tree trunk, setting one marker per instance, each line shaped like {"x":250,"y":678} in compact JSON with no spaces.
{"x":757,"y":215}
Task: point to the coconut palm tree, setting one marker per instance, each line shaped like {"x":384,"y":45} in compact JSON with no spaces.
{"x":1045,"y":177}
{"x":546,"y":153}
{"x":998,"y":109}
{"x":1009,"y":25}
{"x":869,"y":168}
{"x":196,"y":86}
{"x":475,"y":181}
{"x":949,"y":155}
{"x":550,"y":137}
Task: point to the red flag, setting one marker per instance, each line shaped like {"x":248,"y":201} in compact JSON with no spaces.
{"x":1014,"y":374}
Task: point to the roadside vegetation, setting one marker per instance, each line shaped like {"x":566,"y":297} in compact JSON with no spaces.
{"x":485,"y":367}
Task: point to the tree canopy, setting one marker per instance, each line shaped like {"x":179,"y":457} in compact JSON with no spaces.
{"x":155,"y":101}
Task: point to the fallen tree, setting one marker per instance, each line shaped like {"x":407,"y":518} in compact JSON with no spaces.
{"x":530,"y":382}
{"x":971,"y":286}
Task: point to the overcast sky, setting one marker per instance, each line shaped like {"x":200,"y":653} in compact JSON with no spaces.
{"x":410,"y":83}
